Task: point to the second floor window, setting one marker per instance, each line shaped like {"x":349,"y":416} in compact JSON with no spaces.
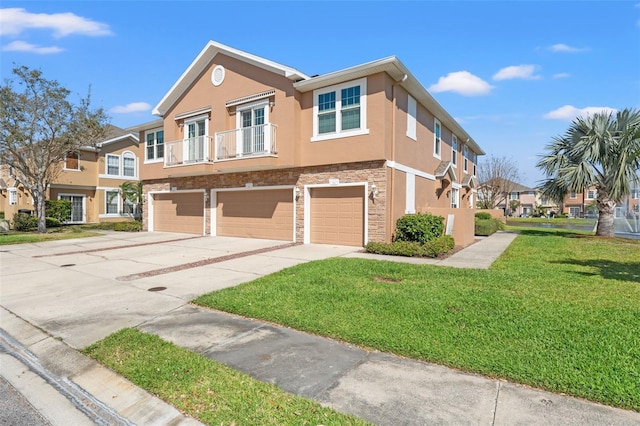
{"x":513,"y":196}
{"x":465,"y":158}
{"x":573,"y":194}
{"x":154,"y":145}
{"x":592,"y":194}
{"x":437,"y":138}
{"x":340,"y":110}
{"x":72,"y":161}
{"x":454,"y":150}
{"x":113,"y":165}
{"x":13,"y":196}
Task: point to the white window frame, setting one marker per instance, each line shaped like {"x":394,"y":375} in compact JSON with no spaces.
{"x":129,"y":154}
{"x":155,"y":158}
{"x":592,"y":194}
{"x":513,"y":196}
{"x":455,"y":197}
{"x":635,"y":194}
{"x":13,"y":196}
{"x":465,"y":158}
{"x":106,"y":202}
{"x":339,"y":133}
{"x":84,"y":206}
{"x":77,"y":169}
{"x":106,"y":165}
{"x":412,"y":113}
{"x":454,"y":150}
{"x":267,"y":123}
{"x":573,"y":195}
{"x":185,"y":128}
{"x":437,"y":140}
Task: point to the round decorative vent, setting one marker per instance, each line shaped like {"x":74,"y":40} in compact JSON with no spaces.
{"x":217,"y":76}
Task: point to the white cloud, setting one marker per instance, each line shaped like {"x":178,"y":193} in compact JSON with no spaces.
{"x":463,"y":83}
{"x":23,"y":46}
{"x":129,"y":108}
{"x":14,"y":21}
{"x":561,"y":47}
{"x":569,"y":112}
{"x":562,"y":75}
{"x":524,"y":72}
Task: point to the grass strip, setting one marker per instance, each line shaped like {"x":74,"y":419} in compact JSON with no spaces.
{"x":33,"y":237}
{"x":205,"y":389}
{"x":558,"y":310}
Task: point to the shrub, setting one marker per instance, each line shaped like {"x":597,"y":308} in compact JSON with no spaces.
{"x":1,"y":215}
{"x":483,"y":216}
{"x":24,"y":222}
{"x":432,"y":248}
{"x":58,"y":209}
{"x":127,"y":226}
{"x":419,"y":228}
{"x":52,"y":222}
{"x":561,"y":216}
{"x":488,"y":227}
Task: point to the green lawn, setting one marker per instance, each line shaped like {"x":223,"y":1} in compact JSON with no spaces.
{"x":51,"y":235}
{"x":553,"y":220}
{"x":559,"y":311}
{"x":205,"y":389}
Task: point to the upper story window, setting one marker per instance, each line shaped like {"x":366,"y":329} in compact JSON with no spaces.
{"x":113,"y":165}
{"x":592,"y":194}
{"x":72,"y":161}
{"x":154,"y":145}
{"x":252,"y":120}
{"x":437,"y":137}
{"x":454,"y":150}
{"x":411,"y":118}
{"x":474,"y":157}
{"x":513,"y":196}
{"x":120,"y":166}
{"x":13,"y":196}
{"x":635,"y":194}
{"x":465,"y":158}
{"x":340,"y":110}
{"x":573,"y":194}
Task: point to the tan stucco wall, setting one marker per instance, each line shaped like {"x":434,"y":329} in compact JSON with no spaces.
{"x":463,"y":224}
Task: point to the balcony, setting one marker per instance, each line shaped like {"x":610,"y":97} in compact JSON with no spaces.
{"x":188,"y":151}
{"x":254,"y":141}
{"x":246,"y":142}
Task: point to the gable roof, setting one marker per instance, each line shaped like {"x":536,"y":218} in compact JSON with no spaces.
{"x":204,"y":59}
{"x":445,"y":168}
{"x":513,"y":186}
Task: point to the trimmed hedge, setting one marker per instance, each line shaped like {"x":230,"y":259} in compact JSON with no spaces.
{"x":127,"y":226}
{"x":421,"y":227}
{"x":432,"y":248}
{"x":58,"y":209}
{"x":488,"y":227}
{"x":483,"y":216}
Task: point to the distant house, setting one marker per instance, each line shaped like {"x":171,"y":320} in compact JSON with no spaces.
{"x":514,"y":198}
{"x":248,"y":147}
{"x":583,"y":204}
{"x":89,"y":178}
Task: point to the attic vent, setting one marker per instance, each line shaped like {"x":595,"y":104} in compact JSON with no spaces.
{"x":217,"y":76}
{"x":250,"y":98}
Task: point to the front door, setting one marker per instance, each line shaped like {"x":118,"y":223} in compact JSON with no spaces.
{"x":252,"y":121}
{"x":195,"y":144}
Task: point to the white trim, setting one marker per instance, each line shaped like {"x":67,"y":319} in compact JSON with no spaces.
{"x":436,"y":138}
{"x":407,"y":169}
{"x":13,"y":196}
{"x":307,"y":207}
{"x":249,"y":98}
{"x":149,"y":205}
{"x":119,"y":138}
{"x":195,"y":112}
{"x":410,"y":197}
{"x":217,"y":81}
{"x":339,"y":133}
{"x":412,"y":117}
{"x":64,"y":165}
{"x":214,"y":203}
{"x":156,"y":159}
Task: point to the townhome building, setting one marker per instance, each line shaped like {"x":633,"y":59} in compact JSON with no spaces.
{"x":89,"y":178}
{"x":581,"y":204}
{"x":248,"y":147}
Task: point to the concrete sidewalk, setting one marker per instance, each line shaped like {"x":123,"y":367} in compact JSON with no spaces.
{"x":49,"y":295}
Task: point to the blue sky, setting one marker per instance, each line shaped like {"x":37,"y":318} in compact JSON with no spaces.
{"x":514,"y":74}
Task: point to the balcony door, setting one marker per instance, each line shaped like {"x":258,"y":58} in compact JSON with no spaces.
{"x":252,"y":122}
{"x":195,"y":146}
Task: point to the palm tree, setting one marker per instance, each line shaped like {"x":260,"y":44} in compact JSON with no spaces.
{"x":132,"y":191}
{"x":601,"y":151}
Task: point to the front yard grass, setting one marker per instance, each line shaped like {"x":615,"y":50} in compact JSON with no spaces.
{"x":205,"y":389}
{"x":53,"y":234}
{"x":558,"y":310}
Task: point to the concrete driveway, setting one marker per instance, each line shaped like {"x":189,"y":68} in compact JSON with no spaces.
{"x":83,"y":290}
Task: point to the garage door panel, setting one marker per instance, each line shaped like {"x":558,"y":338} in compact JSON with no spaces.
{"x":178,"y":212}
{"x":337,"y":215}
{"x":256,"y":214}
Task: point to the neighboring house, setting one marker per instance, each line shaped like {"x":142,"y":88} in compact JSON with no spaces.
{"x":581,"y":204}
{"x":89,"y":178}
{"x":519,"y":200}
{"x":252,"y":148}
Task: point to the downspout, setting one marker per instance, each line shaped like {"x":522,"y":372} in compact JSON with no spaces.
{"x":394,"y":104}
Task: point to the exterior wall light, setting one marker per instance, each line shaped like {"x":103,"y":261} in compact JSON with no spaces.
{"x":374,"y":191}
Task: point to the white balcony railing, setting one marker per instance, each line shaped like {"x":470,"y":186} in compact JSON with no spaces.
{"x":246,"y":142}
{"x":188,"y":151}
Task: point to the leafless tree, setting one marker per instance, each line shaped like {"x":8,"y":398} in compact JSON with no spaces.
{"x":497,"y":176}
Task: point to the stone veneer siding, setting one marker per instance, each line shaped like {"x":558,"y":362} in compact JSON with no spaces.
{"x":372,"y":172}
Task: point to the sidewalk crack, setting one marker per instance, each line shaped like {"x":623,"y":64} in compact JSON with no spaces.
{"x":495,"y":404}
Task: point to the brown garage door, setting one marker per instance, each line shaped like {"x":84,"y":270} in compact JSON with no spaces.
{"x":256,"y":214}
{"x":179,"y":212}
{"x":337,"y":215}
